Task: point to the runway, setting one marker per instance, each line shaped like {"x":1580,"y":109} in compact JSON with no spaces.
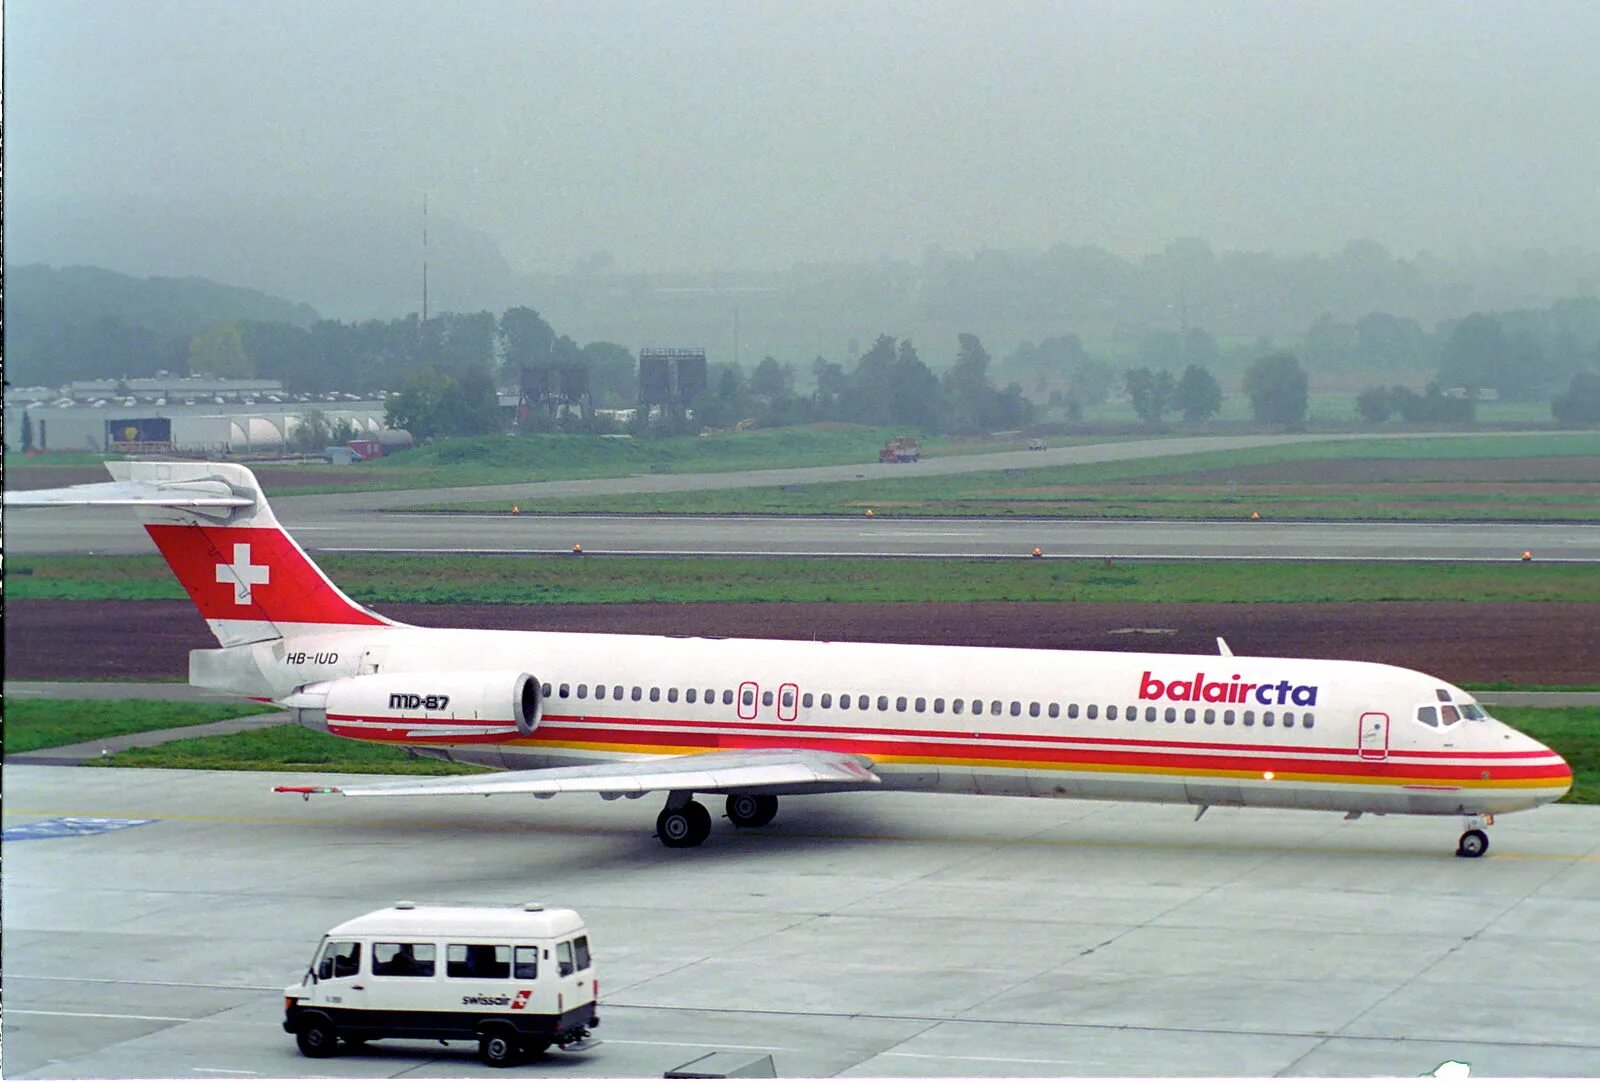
{"x":861,"y":935}
{"x":111,"y":531}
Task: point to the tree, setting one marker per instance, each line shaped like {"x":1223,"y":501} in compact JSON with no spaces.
{"x":527,"y":339}
{"x":1433,"y":405}
{"x":219,"y":351}
{"x":966,"y":386}
{"x":1150,"y":391}
{"x":1276,"y":386}
{"x":613,"y":374}
{"x":1198,"y":395}
{"x":1375,"y":405}
{"x":913,"y":390}
{"x":1476,"y":355}
{"x":314,"y":432}
{"x":27,"y":431}
{"x":421,"y":405}
{"x":1091,"y":382}
{"x":771,"y":380}
{"x":1578,"y":405}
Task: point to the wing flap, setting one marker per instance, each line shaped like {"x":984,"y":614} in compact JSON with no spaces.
{"x":702,"y":772}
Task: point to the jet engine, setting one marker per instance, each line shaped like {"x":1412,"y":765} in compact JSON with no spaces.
{"x":504,"y":701}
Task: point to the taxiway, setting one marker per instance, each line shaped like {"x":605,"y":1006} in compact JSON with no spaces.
{"x":862,"y":934}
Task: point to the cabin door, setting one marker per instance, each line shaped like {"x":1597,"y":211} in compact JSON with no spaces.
{"x":1374,"y":740}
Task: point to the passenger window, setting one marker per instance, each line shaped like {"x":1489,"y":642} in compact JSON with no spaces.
{"x":566,"y":690}
{"x":477,"y":961}
{"x":1308,"y":720}
{"x":747,"y":697}
{"x":672,"y":695}
{"x":340,"y":959}
{"x":403,"y":960}
{"x":1033,"y":710}
{"x":977,"y":706}
{"x":564,"y":958}
{"x":1211,"y":716}
{"x":616,"y":691}
{"x":1133,"y":714}
{"x":691,"y":694}
{"x":955,"y":706}
{"x":638,"y":693}
{"x":1149,"y":714}
{"x":525,"y":963}
{"x":1267,"y":718}
{"x":1249,"y":718}
{"x":1111,"y":713}
{"x":883,"y":703}
{"x":655,"y":695}
{"x":1189,"y":714}
{"x":727,"y":697}
{"x":1172,"y":714}
{"x":1288,"y":719}
{"x":580,"y":952}
{"x":788,"y":698}
{"x":863,"y":702}
{"x":995,"y":706}
{"x":805,"y":700}
{"x":1054,"y":711}
{"x":544,"y":689}
{"x":938,"y":705}
{"x":1092,"y":711}
{"x":844,"y":701}
{"x":599,"y":691}
{"x":827,"y":699}
{"x":1227,"y":718}
{"x":922,"y":704}
{"x":766,"y":699}
{"x":1072,"y":710}
{"x":711,"y":695}
{"x":1016,"y":708}
{"x":900,"y":703}
{"x":583,"y":691}
{"x":1428,"y":716}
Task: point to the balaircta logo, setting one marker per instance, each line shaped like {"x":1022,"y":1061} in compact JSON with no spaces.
{"x":1201,"y":689}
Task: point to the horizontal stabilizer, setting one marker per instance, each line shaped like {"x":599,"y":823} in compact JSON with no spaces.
{"x":703,"y":772}
{"x":134,"y":494}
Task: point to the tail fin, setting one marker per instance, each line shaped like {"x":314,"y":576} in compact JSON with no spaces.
{"x":248,"y":577}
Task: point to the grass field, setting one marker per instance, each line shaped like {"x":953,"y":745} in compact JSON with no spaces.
{"x":521,"y":580}
{"x":1573,"y":732}
{"x":1564,"y":485}
{"x":283,"y":748}
{"x":32,"y":724}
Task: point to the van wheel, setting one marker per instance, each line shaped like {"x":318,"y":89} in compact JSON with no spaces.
{"x":497,"y":1049}
{"x":317,"y":1037}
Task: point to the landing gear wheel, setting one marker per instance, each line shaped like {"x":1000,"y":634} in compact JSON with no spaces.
{"x":1473,"y":843}
{"x":680,"y":828}
{"x":498,"y":1049}
{"x":317,"y":1038}
{"x":751,"y":809}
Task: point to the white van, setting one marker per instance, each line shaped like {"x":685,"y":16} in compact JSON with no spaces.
{"x":514,"y":979}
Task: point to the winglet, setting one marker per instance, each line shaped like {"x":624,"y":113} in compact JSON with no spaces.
{"x":1223,"y":648}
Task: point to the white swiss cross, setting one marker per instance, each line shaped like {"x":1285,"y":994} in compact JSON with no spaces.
{"x":242,"y":574}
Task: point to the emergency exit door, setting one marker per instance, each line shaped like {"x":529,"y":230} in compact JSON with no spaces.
{"x":1374,"y":740}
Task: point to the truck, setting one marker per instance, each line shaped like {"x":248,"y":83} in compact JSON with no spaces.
{"x":902,"y":449}
{"x":516,"y":980}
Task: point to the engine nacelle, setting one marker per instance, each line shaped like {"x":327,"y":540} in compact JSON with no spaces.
{"x":479,"y":706}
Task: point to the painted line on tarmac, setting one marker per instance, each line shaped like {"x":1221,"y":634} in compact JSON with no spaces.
{"x":1295,"y":558}
{"x":103,"y":1015}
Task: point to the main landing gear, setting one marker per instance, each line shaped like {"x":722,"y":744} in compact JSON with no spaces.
{"x":1474,"y":841}
{"x":684,"y":822}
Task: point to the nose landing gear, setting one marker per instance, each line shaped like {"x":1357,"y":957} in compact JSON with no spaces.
{"x":1474,"y":841}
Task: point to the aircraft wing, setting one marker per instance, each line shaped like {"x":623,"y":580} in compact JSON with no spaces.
{"x":702,"y":772}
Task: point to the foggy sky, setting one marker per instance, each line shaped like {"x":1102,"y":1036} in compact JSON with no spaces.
{"x":759,"y":134}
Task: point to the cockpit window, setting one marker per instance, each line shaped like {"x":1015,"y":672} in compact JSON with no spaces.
{"x":1443,"y":694}
{"x":1428,"y":716}
{"x":1473,"y":712}
{"x":1449,"y":715}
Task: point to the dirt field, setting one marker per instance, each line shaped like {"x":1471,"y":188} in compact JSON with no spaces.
{"x":1549,"y":643}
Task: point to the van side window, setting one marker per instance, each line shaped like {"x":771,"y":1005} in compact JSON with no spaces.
{"x":525,"y":964}
{"x":564,"y":958}
{"x":477,"y":961}
{"x":340,"y":959}
{"x":395,"y":960}
{"x":580,"y":949}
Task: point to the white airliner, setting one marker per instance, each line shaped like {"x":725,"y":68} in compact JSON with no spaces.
{"x":624,"y":715}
